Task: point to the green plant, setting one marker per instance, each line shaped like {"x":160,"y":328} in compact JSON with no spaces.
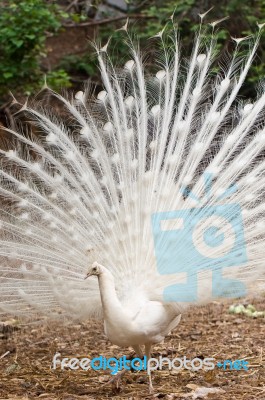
{"x":23,"y":30}
{"x":80,"y":64}
{"x":58,"y":79}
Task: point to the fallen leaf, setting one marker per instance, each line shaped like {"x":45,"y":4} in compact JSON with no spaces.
{"x":202,"y":392}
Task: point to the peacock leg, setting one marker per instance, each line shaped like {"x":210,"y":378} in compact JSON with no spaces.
{"x":148,"y":355}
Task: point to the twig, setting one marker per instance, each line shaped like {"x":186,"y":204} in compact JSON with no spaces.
{"x":5,"y":354}
{"x":72,"y":4}
{"x":108,"y":20}
{"x":141,"y":5}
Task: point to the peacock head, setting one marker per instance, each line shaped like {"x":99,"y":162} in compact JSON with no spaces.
{"x":95,"y":269}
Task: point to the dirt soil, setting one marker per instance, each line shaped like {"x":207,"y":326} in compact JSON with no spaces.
{"x":70,"y":41}
{"x":26,"y":373}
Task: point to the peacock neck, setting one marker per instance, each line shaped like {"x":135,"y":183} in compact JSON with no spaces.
{"x":109,"y":299}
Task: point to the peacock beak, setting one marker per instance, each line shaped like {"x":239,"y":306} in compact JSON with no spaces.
{"x":87,"y":275}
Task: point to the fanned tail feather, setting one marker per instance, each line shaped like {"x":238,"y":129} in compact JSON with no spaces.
{"x":95,"y":186}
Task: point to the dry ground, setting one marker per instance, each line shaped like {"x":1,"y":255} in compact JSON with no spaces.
{"x":25,"y":371}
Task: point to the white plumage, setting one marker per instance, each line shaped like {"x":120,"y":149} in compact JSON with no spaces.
{"x":86,"y":188}
{"x":140,"y":321}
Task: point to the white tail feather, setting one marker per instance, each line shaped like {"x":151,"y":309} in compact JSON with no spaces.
{"x":88,"y":192}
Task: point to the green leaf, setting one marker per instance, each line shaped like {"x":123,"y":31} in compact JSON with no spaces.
{"x":17,"y":42}
{"x":30,"y":36}
{"x":7,"y":75}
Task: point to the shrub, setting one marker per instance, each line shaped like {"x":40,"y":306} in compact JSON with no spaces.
{"x":23,"y":30}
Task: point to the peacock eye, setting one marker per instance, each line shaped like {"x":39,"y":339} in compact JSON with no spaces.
{"x":94,"y":269}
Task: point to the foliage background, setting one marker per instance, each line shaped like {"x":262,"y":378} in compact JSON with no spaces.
{"x":45,"y":38}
